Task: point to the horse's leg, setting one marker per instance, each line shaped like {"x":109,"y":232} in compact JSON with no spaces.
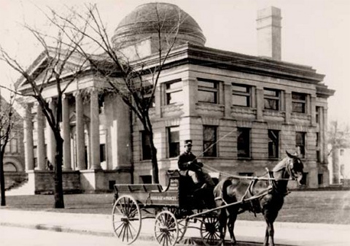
{"x":270,"y":217}
{"x":231,"y":225}
{"x":222,"y":217}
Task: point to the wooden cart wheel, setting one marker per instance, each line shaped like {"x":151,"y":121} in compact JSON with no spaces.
{"x":126,"y":218}
{"x":166,"y":229}
{"x":182,"y":229}
{"x":209,"y":231}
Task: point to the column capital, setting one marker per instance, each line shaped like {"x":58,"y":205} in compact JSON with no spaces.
{"x":77,"y":93}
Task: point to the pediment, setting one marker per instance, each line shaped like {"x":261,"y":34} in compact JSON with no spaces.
{"x":43,"y":68}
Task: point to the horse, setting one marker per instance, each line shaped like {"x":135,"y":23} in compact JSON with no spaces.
{"x":269,"y":195}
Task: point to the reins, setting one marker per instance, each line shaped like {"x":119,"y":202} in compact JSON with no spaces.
{"x":261,"y":177}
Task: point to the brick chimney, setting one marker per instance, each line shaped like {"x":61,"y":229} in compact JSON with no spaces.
{"x":269,"y":33}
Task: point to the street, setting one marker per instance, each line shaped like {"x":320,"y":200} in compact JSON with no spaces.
{"x":16,"y":236}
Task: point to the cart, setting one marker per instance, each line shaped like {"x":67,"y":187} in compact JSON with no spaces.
{"x":174,"y":209}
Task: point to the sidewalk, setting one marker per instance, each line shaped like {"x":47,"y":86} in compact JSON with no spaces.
{"x":250,"y":231}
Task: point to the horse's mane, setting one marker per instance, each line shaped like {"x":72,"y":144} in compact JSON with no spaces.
{"x":280,"y":165}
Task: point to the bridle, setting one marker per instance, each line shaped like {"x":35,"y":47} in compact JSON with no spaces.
{"x":290,"y":169}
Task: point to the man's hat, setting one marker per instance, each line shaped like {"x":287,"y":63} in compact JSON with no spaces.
{"x":188,"y":142}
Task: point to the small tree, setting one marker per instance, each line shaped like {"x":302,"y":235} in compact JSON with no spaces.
{"x":56,"y":71}
{"x":130,"y":78}
{"x":7,"y":123}
{"x":338,"y":137}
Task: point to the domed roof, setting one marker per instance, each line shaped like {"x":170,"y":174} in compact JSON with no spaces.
{"x":145,"y":21}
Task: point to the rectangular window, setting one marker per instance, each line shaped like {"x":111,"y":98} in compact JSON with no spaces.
{"x":102,"y":152}
{"x":318,"y":156}
{"x":209,"y":140}
{"x":243,"y":142}
{"x":173,"y":91}
{"x":7,"y":148}
{"x":241,"y":95}
{"x":207,"y":91}
{"x":273,"y":143}
{"x":271,"y":99}
{"x":300,"y":143}
{"x":320,"y":179}
{"x":146,"y":145}
{"x":14,"y":146}
{"x":174,"y":141}
{"x":299,"y":102}
{"x":318,"y":114}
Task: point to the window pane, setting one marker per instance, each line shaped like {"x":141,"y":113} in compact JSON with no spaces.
{"x":300,"y":143}
{"x":268,"y":92}
{"x":7,"y":148}
{"x":209,"y":140}
{"x":174,"y":141}
{"x":243,"y":142}
{"x":239,"y":88}
{"x":176,"y":85}
{"x":299,"y":96}
{"x":207,"y":96}
{"x":206,"y":84}
{"x":273,"y":143}
{"x":271,"y":104}
{"x":298,"y":107}
{"x":240,"y":100}
{"x":174,"y":97}
{"x":146,"y":145}
{"x":14,"y":145}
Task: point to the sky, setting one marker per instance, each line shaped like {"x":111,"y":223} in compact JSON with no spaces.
{"x":314,"y":33}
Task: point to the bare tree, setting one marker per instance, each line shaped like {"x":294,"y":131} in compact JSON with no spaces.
{"x":7,"y":124}
{"x":338,"y":137}
{"x":57,"y":73}
{"x":127,"y":74}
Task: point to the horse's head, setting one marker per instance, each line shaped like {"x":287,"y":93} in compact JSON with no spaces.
{"x":295,"y":168}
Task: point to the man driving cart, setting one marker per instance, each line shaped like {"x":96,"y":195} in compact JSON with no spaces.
{"x":189,"y":166}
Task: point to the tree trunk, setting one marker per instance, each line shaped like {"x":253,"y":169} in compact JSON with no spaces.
{"x":58,"y":192}
{"x":335,"y":166}
{"x":2,"y":179}
{"x":155,"y":170}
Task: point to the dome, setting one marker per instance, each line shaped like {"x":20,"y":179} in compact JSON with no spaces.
{"x":145,"y":20}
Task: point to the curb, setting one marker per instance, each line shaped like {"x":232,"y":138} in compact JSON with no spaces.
{"x":56,"y":228}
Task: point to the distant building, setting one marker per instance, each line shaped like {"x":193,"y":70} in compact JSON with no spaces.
{"x":343,"y":155}
{"x":14,"y":151}
{"x":242,"y":112}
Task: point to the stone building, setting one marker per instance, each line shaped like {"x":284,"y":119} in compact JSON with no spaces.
{"x":14,"y":154}
{"x":242,"y":112}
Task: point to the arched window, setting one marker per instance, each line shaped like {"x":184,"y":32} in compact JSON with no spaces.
{"x":10,"y":167}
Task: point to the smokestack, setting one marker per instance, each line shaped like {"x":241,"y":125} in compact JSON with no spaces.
{"x":269,"y":33}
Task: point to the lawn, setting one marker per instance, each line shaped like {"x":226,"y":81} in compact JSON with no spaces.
{"x":332,"y":207}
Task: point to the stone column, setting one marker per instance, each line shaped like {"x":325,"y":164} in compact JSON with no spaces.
{"x":94,"y":131}
{"x":313,"y":110}
{"x":51,"y":143}
{"x":80,"y":140}
{"x":28,"y":138}
{"x":67,"y":165}
{"x":189,"y":90}
{"x":259,"y":104}
{"x":322,"y":134}
{"x":325,"y":139}
{"x":227,"y":99}
{"x":288,"y":106}
{"x":158,"y":100}
{"x":40,"y":139}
